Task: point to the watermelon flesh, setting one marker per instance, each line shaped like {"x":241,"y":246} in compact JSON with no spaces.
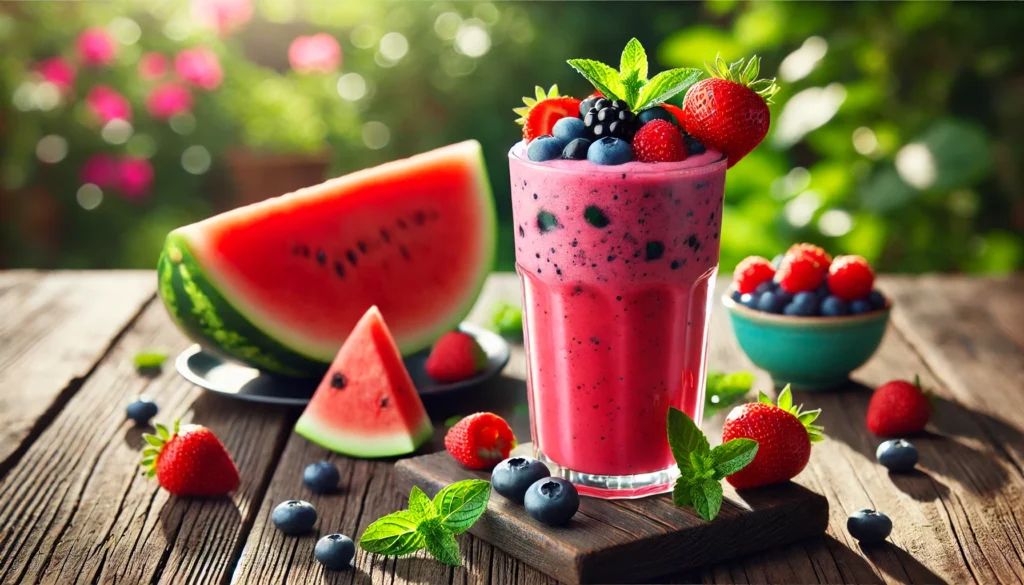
{"x":366,"y":405}
{"x":280,"y":284}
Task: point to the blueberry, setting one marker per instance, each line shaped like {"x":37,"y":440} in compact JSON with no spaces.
{"x":693,"y":146}
{"x":294,"y":517}
{"x":773,"y":302}
{"x":869,"y":526}
{"x":142,"y":410}
{"x":804,"y":304}
{"x":656,"y":113}
{"x":322,"y":477}
{"x":610,"y":151}
{"x":748,"y":300}
{"x":877,"y":300}
{"x":569,"y":128}
{"x":736,"y":295}
{"x":576,"y":150}
{"x":897,"y":455}
{"x":766,"y":286}
{"x":552,"y":500}
{"x":823,"y":290}
{"x":860,"y":306}
{"x":834,"y":306}
{"x":512,"y":477}
{"x":544,"y":148}
{"x":335,"y":551}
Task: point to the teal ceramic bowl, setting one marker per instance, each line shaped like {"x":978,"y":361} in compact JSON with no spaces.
{"x":810,"y":353}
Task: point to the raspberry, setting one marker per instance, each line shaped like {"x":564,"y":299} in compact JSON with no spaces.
{"x":799,"y":272}
{"x":813,"y":251}
{"x":850,"y":278}
{"x":751,"y":272}
{"x":659,"y":141}
{"x":480,"y":440}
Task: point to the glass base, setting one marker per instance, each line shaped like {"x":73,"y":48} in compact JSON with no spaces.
{"x":615,"y":487}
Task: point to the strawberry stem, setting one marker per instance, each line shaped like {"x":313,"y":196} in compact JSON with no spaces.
{"x":744,"y":72}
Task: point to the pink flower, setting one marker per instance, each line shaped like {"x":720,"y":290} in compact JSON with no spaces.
{"x":199,"y":66}
{"x":107,"y":104}
{"x":136,"y":176}
{"x":153,"y":66}
{"x":57,"y":71}
{"x":102,"y":170}
{"x":168,"y":100}
{"x":96,"y":47}
{"x":223,"y":16}
{"x":319,"y":53}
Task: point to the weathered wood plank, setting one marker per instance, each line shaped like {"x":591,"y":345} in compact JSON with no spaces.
{"x":54,"y":328}
{"x":75,"y":508}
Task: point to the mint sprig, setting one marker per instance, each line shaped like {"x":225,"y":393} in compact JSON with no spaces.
{"x":702,"y":468}
{"x":429,"y":524}
{"x":723,"y":390}
{"x":630,"y":83}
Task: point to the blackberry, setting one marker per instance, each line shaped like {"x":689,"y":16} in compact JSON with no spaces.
{"x":611,"y":118}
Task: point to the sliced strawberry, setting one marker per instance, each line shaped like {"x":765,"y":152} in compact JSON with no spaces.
{"x":541,"y":118}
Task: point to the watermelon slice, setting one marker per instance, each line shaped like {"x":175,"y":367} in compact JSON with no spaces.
{"x":366,"y":405}
{"x":279,"y":284}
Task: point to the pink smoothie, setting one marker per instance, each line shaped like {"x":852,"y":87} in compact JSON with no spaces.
{"x":617,"y":266}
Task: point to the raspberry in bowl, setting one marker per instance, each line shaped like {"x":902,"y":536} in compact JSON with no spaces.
{"x":807,"y":319}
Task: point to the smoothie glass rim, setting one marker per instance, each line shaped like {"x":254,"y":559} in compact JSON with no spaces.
{"x":656,"y":168}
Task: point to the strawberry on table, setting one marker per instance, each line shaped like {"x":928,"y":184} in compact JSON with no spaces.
{"x":539,"y":115}
{"x":455,"y":357}
{"x":189,"y":461}
{"x":898,"y":408}
{"x":480,"y":440}
{"x":659,"y":141}
{"x":729,"y":110}
{"x":784,"y":434}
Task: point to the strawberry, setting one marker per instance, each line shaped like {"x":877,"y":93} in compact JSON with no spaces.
{"x":480,"y":440}
{"x":751,"y":272}
{"x":539,"y":115}
{"x":898,"y":408}
{"x":800,"y":271}
{"x":190,"y":461}
{"x":816,"y":252}
{"x":784,"y":434}
{"x":729,"y":110}
{"x":455,"y":357}
{"x":850,"y":278}
{"x":659,"y":141}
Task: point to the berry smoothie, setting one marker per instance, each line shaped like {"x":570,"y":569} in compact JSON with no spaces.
{"x":618,"y":264}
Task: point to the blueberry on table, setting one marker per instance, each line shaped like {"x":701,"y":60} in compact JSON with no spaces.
{"x":512,"y":477}
{"x":869,"y":526}
{"x":860,"y":306}
{"x":576,"y":150}
{"x":610,"y":151}
{"x":322,"y":477}
{"x":656,"y":113}
{"x":335,"y":551}
{"x":804,"y":304}
{"x":142,"y":410}
{"x":897,"y":455}
{"x":834,"y":306}
{"x":876,"y":299}
{"x":294,"y":517}
{"x":544,"y":148}
{"x":552,"y":500}
{"x":773,"y":302}
{"x":569,"y":129}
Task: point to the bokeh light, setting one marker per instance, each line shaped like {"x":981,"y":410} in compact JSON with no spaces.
{"x":351,"y":86}
{"x":376,"y":135}
{"x":89,"y":196}
{"x":51,"y":149}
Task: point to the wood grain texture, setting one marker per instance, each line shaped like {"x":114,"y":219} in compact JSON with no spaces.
{"x":54,"y":329}
{"x":75,"y":508}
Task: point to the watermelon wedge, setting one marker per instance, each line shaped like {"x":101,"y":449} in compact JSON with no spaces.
{"x":280,"y":284}
{"x":366,"y":405}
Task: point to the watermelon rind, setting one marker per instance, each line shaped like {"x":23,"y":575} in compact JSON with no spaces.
{"x":358,"y":445}
{"x":194,"y":298}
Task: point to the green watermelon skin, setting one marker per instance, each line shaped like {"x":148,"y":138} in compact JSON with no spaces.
{"x":213,"y":307}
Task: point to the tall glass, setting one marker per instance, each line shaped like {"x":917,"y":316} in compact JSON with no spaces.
{"x":618,"y":266}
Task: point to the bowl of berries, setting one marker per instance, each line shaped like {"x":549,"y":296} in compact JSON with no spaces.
{"x":805,"y":318}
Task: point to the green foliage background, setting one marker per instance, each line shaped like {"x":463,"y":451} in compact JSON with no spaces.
{"x":946,"y":77}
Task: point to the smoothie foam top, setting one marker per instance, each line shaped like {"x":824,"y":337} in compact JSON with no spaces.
{"x":693,"y":162}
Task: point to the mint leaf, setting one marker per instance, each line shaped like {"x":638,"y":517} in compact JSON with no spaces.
{"x":451,"y":421}
{"x":603,"y":77}
{"x":733,"y":456}
{"x":631,"y":84}
{"x":707,"y":498}
{"x":440,"y":542}
{"x":507,"y":320}
{"x":394,"y":534}
{"x":149,"y":359}
{"x":460,"y":504}
{"x":703,"y":465}
{"x":634,"y":58}
{"x":420,"y":504}
{"x":681,"y":493}
{"x":665,"y":85}
{"x":723,"y":390}
{"x":684,"y":438}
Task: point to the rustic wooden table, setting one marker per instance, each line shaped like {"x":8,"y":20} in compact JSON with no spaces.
{"x":74,"y":508}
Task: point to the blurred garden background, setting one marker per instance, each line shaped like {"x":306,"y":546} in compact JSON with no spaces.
{"x":898,"y":135}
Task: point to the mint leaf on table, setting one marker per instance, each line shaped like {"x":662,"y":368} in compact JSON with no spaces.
{"x":722,"y":390}
{"x":149,"y":359}
{"x":420,"y":504}
{"x":460,"y":504}
{"x":394,"y":534}
{"x":440,"y":542}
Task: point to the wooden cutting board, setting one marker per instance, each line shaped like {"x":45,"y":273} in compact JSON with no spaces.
{"x":622,"y":541}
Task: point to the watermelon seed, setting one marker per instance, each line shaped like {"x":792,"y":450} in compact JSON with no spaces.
{"x":362,"y":246}
{"x":351,"y":257}
{"x":385,"y":235}
{"x":405,"y":252}
{"x":384,"y":402}
{"x":339,"y":381}
{"x":297,"y":250}
{"x":420,"y":218}
{"x":339,"y":268}
{"x":321,"y":257}
{"x":402,"y":224}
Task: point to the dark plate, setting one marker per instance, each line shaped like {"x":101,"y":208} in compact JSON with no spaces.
{"x":229,"y":378}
